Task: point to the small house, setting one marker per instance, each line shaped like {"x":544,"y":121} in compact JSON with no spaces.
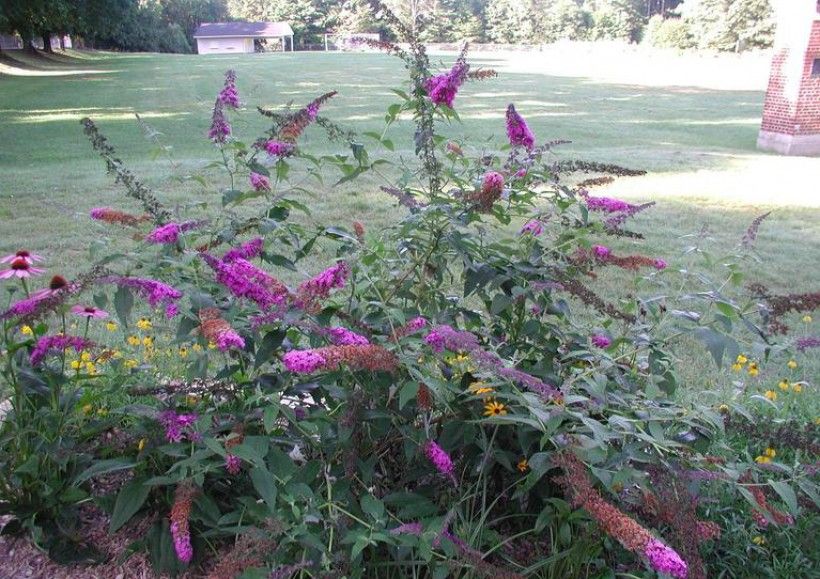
{"x":239,"y":37}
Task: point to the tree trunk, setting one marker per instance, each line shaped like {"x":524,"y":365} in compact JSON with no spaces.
{"x":27,"y":45}
{"x":47,"y":42}
{"x":62,"y":42}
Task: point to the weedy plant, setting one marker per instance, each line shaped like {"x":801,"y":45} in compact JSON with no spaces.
{"x":448,"y":397}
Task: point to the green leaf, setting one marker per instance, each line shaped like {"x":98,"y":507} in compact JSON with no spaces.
{"x":104,"y":467}
{"x":269,"y":417}
{"x":786,"y":493}
{"x":265,"y":485}
{"x":372,"y":506}
{"x":407,"y":393}
{"x":123,"y":304}
{"x":129,"y":500}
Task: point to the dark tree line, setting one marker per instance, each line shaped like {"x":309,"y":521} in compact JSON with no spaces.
{"x":168,"y":25}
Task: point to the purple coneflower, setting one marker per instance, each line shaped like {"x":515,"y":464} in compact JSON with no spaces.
{"x":21,"y":267}
{"x":23,"y":254}
{"x":89,"y":312}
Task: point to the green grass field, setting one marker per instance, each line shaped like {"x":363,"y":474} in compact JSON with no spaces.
{"x":698,"y":143}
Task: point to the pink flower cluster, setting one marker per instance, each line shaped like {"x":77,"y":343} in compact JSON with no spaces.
{"x":601,"y":251}
{"x":233,"y":464}
{"x":170,"y":232}
{"x":228,"y":339}
{"x":665,"y":559}
{"x":440,"y":459}
{"x":303,"y":361}
{"x":517,"y":130}
{"x":178,"y":426}
{"x":247,"y":250}
{"x":259,"y":182}
{"x":410,"y":327}
{"x":533,"y":227}
{"x":443,"y":88}
{"x":344,"y":337}
{"x":155,"y":292}
{"x":279,"y":148}
{"x":229,"y":96}
{"x":245,"y":280}
{"x":182,"y":543}
{"x":220,"y":128}
{"x":59,"y":343}
{"x":607,"y":204}
{"x":319,"y":287}
{"x":600,"y":341}
{"x":445,"y":337}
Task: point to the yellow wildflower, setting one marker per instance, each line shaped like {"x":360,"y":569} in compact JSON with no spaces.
{"x":763,"y":459}
{"x":753,"y":369}
{"x":723,"y":409}
{"x":797,"y":388}
{"x":211,"y":346}
{"x":792,"y":364}
{"x":133,"y":340}
{"x":807,"y":319}
{"x":196,"y":348}
{"x":26,"y":330}
{"x":523,"y":466}
{"x":758,"y":540}
{"x":479,"y":388}
{"x":741,"y":359}
{"x":116,"y":354}
{"x":111,"y":326}
{"x":183,"y":352}
{"x":102,"y":412}
{"x":144,"y":324}
{"x":85,"y":356}
{"x":493,"y":408}
{"x":148,"y":341}
{"x":141,"y":444}
{"x":770,"y":452}
{"x":131,"y":363}
{"x":91,"y":368}
{"x":771,"y":395}
{"x":76,"y":364}
{"x":783,"y":385}
{"x":88,"y":409}
{"x":737,"y":367}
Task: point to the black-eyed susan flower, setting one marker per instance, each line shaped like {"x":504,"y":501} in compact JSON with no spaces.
{"x":797,"y":388}
{"x":493,"y":408}
{"x":792,"y":364}
{"x":111,"y":326}
{"x":770,"y":395}
{"x":783,"y":385}
{"x":753,"y":369}
{"x":196,"y":348}
{"x":183,"y":352}
{"x":148,"y":342}
{"x":723,"y":409}
{"x":523,"y":466}
{"x":144,"y":324}
{"x":141,"y":444}
{"x":807,"y":319}
{"x":759,"y":540}
{"x":131,"y":363}
{"x":133,"y":340}
{"x":26,"y":330}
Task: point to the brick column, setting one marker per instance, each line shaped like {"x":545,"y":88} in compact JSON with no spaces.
{"x":791,"y":113}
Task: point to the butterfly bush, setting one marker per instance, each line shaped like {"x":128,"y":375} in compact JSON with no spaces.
{"x":411,"y":392}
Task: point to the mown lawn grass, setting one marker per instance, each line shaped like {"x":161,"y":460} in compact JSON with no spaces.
{"x":697,"y":143}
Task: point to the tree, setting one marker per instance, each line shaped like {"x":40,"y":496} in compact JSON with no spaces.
{"x":730,"y":24}
{"x":189,"y":14}
{"x":303,"y":15}
{"x":509,"y":21}
{"x":752,"y":22}
{"x":617,"y":19}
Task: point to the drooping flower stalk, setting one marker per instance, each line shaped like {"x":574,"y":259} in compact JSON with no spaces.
{"x":180,"y":515}
{"x":356,"y":357}
{"x":57,"y":344}
{"x":154,"y":292}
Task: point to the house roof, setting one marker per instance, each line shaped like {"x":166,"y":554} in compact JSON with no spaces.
{"x":243,"y":29}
